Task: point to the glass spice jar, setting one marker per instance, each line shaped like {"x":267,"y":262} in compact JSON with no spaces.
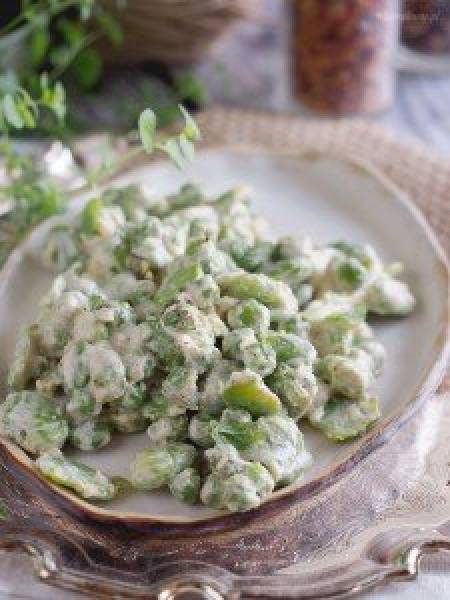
{"x":344,"y":54}
{"x":425,"y":34}
{"x":426,"y":25}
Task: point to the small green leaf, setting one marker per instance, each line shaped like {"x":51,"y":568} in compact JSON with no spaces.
{"x":31,"y":14}
{"x":240,"y":435}
{"x":11,"y":113}
{"x":26,"y":114}
{"x":147,"y":129}
{"x":352,"y":273}
{"x":59,"y":100}
{"x":86,"y":8}
{"x":44,"y":199}
{"x":166,"y":115}
{"x":191,"y":130}
{"x":87,"y":68}
{"x":39,"y":43}
{"x":172,"y":148}
{"x":72,"y":32}
{"x":190,"y":87}
{"x":122,"y":485}
{"x":90,"y":215}
{"x":60,"y":56}
{"x":110,"y":27}
{"x":55,"y":99}
{"x":44,"y":81}
{"x":28,"y":100}
{"x":187,"y":147}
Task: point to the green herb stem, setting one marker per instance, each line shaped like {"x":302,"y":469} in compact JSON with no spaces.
{"x":22,"y":19}
{"x":87,"y":41}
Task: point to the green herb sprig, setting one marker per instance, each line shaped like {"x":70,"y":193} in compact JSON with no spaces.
{"x":78,"y":24}
{"x":180,"y":148}
{"x":59,"y":35}
{"x":31,"y":195}
{"x":19,"y":110}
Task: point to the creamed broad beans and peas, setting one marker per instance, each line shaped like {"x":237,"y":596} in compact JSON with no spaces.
{"x":179,"y":317}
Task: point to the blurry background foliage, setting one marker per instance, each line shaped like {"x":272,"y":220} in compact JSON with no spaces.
{"x":50,"y":59}
{"x":72,"y":66}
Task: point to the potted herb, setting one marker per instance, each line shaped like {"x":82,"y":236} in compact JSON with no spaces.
{"x":56,"y":37}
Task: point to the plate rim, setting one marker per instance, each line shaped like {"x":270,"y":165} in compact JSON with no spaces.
{"x":327,"y":475}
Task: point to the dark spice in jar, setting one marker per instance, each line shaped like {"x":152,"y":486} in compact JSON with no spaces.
{"x":426,"y":25}
{"x":343,"y":52}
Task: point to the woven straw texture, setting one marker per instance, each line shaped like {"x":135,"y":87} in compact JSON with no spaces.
{"x":422,"y":174}
{"x":173,"y":31}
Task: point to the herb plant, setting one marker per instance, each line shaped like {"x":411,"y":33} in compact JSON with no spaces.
{"x":31,"y":195}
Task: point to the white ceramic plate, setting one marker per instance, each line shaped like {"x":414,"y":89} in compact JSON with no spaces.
{"x":318,"y":195}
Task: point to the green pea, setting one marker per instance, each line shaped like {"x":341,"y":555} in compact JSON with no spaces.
{"x":256,"y":354}
{"x":240,"y":435}
{"x":253,"y":257}
{"x":188,"y":195}
{"x":22,"y":368}
{"x":249,"y":313}
{"x":364,"y":254}
{"x":153,"y":468}
{"x":333,"y":334}
{"x":351,"y":274}
{"x":239,"y":495}
{"x":281,"y":320}
{"x":126,"y":420}
{"x":387,"y":296}
{"x":82,"y":405}
{"x":293,"y":271}
{"x":87,"y":482}
{"x":288,"y":346}
{"x":295,"y":385}
{"x":157,"y":408}
{"x":185,"y":486}
{"x":176,"y":282}
{"x":247,"y":391}
{"x":343,"y":419}
{"x":183,"y":455}
{"x":201,"y":431}
{"x":350,"y":375}
{"x":168,"y":429}
{"x":135,"y":396}
{"x":270,"y":292}
{"x":91,"y":435}
{"x":33,"y":421}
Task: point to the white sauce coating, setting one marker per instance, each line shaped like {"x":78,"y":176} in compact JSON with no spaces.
{"x":179,"y":317}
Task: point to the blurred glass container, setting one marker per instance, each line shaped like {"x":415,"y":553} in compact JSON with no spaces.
{"x":344,"y":54}
{"x":425,"y":35}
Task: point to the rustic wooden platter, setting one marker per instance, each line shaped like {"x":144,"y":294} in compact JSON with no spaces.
{"x":150,"y":540}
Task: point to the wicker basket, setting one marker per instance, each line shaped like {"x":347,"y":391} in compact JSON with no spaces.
{"x":173,"y":31}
